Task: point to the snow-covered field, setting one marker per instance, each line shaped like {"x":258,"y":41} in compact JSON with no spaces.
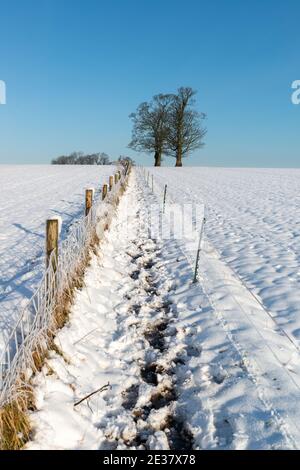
{"x":28,"y":195}
{"x":189,"y":366}
{"x":253,"y":221}
{"x":207,"y":365}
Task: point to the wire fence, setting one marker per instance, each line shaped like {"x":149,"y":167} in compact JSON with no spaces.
{"x":158,"y":190}
{"x":190,"y":217}
{"x":193,"y":259}
{"x":36,"y":322}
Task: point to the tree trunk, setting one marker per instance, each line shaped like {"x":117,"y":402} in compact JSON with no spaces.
{"x":157,"y":158}
{"x":178,"y":158}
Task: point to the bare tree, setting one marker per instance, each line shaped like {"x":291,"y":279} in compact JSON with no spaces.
{"x":102,"y":159}
{"x":185,"y":125}
{"x":79,"y":158}
{"x":124,"y":159}
{"x":150,"y":127}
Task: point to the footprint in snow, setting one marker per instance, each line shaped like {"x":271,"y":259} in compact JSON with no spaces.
{"x":224,"y":432}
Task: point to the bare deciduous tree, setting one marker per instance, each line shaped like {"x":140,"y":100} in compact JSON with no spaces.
{"x":124,"y":159}
{"x":79,"y":158}
{"x":185,"y":131}
{"x":150,"y":127}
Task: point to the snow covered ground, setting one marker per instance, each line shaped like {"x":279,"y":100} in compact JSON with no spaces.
{"x":28,"y":195}
{"x":253,"y":221}
{"x":188,"y":366}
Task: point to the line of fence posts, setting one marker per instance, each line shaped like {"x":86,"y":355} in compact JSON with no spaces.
{"x":52,"y":230}
{"x":52,"y":225}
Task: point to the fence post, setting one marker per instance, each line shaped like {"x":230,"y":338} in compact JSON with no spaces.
{"x":116,"y":178}
{"x":52,"y":243}
{"x":88,"y":200}
{"x":111,"y":182}
{"x":198,"y":251}
{"x":104,"y":191}
{"x":165,"y":195}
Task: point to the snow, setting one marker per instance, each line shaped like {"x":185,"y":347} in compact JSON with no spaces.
{"x":59,"y":221}
{"x":93,"y":191}
{"x":253,"y":221}
{"x":188,"y":365}
{"x":29,"y":194}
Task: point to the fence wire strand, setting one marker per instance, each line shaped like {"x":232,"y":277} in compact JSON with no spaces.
{"x":36,"y":319}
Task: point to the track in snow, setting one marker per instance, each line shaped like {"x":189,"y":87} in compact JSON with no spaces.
{"x":253,"y":221}
{"x":178,"y":378}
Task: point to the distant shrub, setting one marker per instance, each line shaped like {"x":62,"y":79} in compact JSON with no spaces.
{"x":79,"y":158}
{"x":123,"y":159}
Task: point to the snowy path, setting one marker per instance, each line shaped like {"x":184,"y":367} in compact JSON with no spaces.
{"x":179,"y":374}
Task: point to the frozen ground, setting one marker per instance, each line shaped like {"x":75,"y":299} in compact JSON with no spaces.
{"x":189,"y":366}
{"x":28,"y":195}
{"x":253,"y":221}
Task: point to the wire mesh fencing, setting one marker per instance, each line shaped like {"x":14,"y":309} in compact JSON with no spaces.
{"x":36,"y":323}
{"x":180,"y":220}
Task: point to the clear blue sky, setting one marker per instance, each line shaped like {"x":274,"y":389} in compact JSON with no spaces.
{"x":75,"y":69}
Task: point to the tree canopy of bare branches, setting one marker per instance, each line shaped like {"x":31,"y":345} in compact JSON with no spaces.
{"x":169,"y":124}
{"x":124,"y":159}
{"x":79,"y":158}
{"x":150,"y":127}
{"x":185,"y":125}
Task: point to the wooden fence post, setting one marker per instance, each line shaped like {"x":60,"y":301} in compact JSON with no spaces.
{"x":88,"y":200}
{"x":198,"y":251}
{"x":116,"y":178}
{"x":104,"y":191}
{"x":52,"y":243}
{"x":165,"y":195}
{"x":111,"y":182}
